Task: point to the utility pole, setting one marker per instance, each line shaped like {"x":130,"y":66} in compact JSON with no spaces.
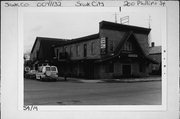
{"x":149,"y":21}
{"x":115,"y":17}
{"x":149,"y":25}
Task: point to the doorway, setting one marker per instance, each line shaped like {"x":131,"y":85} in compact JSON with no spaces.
{"x":126,"y":70}
{"x":88,"y":70}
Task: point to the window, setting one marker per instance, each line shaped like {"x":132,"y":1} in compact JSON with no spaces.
{"x":85,"y":50}
{"x":92,"y":48}
{"x":77,"y":50}
{"x":59,"y":55}
{"x":127,"y":46}
{"x":57,"y":52}
{"x":111,"y":46}
{"x":71,"y":53}
{"x":65,"y":49}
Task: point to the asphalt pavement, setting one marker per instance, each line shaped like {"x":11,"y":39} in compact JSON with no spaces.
{"x":99,"y":93}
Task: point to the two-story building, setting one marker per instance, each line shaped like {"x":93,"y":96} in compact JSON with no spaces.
{"x":116,"y":51}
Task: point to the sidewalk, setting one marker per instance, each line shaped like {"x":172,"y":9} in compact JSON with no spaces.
{"x":128,"y":80}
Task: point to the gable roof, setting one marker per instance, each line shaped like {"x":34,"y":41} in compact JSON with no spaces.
{"x":45,"y":39}
{"x":120,"y":45}
{"x":77,"y":40}
{"x":155,"y":50}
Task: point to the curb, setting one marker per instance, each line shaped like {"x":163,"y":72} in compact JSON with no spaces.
{"x":111,"y":80}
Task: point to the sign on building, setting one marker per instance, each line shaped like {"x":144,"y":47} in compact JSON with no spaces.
{"x":103,"y":45}
{"x":132,"y":55}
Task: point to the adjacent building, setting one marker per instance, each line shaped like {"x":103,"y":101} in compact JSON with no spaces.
{"x":155,"y":54}
{"x":116,"y":51}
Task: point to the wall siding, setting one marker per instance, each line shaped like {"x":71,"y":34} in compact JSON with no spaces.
{"x":74,"y":56}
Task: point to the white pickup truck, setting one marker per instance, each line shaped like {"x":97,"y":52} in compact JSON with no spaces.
{"x":47,"y":72}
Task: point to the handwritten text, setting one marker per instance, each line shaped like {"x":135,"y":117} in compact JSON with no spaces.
{"x":30,"y":108}
{"x":143,"y":3}
{"x":49,"y":4}
{"x":89,"y":4}
{"x":18,"y":4}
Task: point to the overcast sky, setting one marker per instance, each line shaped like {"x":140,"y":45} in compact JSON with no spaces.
{"x":68,"y":25}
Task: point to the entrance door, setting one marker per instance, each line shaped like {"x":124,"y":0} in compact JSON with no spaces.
{"x":85,"y":50}
{"x":88,"y":70}
{"x":126,"y":70}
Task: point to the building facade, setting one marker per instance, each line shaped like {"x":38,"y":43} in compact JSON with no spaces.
{"x":116,"y":51}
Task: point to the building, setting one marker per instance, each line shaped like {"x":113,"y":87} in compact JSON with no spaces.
{"x":155,"y":54}
{"x":116,"y":51}
{"x":42,"y":51}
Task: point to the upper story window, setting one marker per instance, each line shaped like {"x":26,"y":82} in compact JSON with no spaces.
{"x":65,"y":49}
{"x":57,"y":53}
{"x":111,"y":46}
{"x":127,"y":46}
{"x":77,"y":50}
{"x":92,"y":48}
{"x":71,"y":52}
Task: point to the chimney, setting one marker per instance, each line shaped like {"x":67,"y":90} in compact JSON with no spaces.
{"x":152,"y":44}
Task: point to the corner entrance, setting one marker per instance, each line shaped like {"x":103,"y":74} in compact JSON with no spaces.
{"x":126,"y":70}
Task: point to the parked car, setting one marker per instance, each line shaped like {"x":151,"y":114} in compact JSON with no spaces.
{"x":47,"y":72}
{"x":31,"y":74}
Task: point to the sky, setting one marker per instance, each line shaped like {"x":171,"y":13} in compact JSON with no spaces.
{"x":69,"y":25}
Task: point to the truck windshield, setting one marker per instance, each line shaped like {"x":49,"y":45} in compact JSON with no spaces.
{"x":53,"y":68}
{"x":47,"y":68}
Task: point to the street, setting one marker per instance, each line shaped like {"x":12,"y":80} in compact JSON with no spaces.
{"x":76,"y":93}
